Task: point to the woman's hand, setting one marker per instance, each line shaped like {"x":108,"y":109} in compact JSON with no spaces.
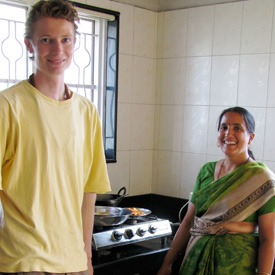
{"x":165,"y":270}
{"x":266,"y":251}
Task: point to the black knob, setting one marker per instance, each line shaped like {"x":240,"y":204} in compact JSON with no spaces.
{"x":153,"y":229}
{"x":116,"y":235}
{"x":141,"y":231}
{"x":129,"y":234}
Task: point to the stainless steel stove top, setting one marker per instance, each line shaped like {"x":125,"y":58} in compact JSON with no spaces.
{"x":131,"y":233}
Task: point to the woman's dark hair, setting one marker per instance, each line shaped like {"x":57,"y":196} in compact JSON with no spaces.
{"x":59,"y":9}
{"x":248,"y":118}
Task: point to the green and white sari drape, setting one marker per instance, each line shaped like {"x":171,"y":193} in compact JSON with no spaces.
{"x":243,"y":195}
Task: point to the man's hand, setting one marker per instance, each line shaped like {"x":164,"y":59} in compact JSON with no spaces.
{"x":90,"y":266}
{"x":88,"y":206}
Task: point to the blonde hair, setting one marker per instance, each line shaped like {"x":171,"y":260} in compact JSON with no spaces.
{"x":59,"y":9}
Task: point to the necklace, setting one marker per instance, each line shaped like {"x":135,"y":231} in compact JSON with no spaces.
{"x":223,"y":165}
{"x":66,"y":95}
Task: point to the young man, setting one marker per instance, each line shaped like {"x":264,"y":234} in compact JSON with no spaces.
{"x":52,"y":157}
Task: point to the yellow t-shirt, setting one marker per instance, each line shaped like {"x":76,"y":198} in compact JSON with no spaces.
{"x":51,"y":153}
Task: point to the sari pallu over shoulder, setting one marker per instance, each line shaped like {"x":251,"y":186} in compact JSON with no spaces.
{"x":230,"y":199}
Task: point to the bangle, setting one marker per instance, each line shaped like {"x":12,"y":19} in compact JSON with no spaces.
{"x":261,"y":272}
{"x":178,"y":253}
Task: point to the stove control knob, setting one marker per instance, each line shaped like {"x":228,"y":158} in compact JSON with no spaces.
{"x":116,"y":235}
{"x":141,"y":231}
{"x":129,"y":234}
{"x":153,"y":229}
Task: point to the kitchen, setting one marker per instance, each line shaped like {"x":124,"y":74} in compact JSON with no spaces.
{"x":177,"y":70}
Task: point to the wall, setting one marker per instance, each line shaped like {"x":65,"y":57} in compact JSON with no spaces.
{"x":210,"y":58}
{"x":136,"y":98}
{"x":178,"y":71}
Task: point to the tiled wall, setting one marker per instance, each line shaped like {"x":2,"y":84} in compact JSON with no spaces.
{"x":136,"y":99}
{"x":178,"y":70}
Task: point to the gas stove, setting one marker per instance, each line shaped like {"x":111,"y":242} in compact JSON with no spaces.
{"x":132,"y":231}
{"x":132,"y":252}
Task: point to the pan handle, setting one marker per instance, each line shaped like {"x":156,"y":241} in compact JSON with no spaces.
{"x":123,"y":189}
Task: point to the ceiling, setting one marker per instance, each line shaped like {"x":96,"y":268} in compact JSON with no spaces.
{"x":167,"y":5}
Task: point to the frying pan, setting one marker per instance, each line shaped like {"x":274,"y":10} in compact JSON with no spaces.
{"x":111,"y":199}
{"x":110,"y":216}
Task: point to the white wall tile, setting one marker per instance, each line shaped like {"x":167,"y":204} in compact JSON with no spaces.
{"x":126,"y":27}
{"x":212,"y":132}
{"x":158,"y":81}
{"x":169,"y":171}
{"x":156,"y":127}
{"x":175,"y":33}
{"x":145,"y":28}
{"x":170,"y":129}
{"x":125,"y":78}
{"x":224,"y":80}
{"x":142,"y":127}
{"x":144,"y":70}
{"x":124,"y":126}
{"x":141,"y":172}
{"x":273,"y":32}
{"x":257,"y":26}
{"x":173,"y":81}
{"x":160,"y":27}
{"x":155,"y":172}
{"x":271,"y":165}
{"x":200,"y":31}
{"x":190,"y":167}
{"x":271,"y":83}
{"x":269,"y":145}
{"x":227,"y":29}
{"x":105,"y":4}
{"x":119,"y":173}
{"x":217,"y":157}
{"x":198,"y":71}
{"x":195,"y":124}
{"x":259,"y":115}
{"x":253,"y":80}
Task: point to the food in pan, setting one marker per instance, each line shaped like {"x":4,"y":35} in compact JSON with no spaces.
{"x":135,"y":211}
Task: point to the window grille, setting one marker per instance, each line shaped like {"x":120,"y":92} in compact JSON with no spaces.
{"x":93,"y":72}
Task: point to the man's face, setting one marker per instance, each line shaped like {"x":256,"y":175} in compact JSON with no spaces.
{"x":52,"y":45}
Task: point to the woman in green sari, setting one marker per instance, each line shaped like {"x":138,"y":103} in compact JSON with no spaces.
{"x":229,"y":227}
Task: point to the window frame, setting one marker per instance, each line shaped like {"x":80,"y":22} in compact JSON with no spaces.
{"x":110,"y":158}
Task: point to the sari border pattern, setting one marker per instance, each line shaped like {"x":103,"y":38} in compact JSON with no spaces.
{"x":250,"y":199}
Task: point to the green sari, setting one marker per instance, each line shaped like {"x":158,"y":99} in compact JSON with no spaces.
{"x":242,"y":195}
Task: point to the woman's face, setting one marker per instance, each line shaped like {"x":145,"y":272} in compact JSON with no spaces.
{"x":233,"y":136}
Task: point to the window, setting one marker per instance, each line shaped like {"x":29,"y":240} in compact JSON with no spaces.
{"x":93,"y":72}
